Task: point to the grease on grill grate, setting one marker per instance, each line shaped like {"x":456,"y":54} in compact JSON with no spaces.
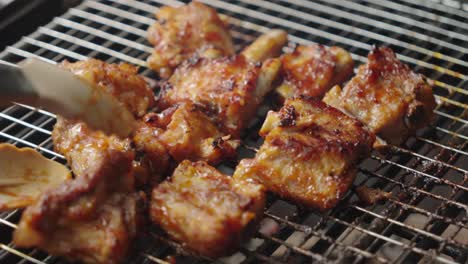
{"x":425,"y":219}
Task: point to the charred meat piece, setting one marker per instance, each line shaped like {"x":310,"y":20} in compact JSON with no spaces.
{"x":387,"y":96}
{"x":208,"y":212}
{"x":120,"y":80}
{"x":184,"y":132}
{"x":310,"y":153}
{"x":93,"y":218}
{"x":228,"y":89}
{"x":182,"y":32}
{"x":313,"y":70}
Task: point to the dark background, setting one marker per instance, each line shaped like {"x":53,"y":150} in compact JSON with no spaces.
{"x":21,"y":17}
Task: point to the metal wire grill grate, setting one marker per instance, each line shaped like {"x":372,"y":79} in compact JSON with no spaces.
{"x":425,"y":221}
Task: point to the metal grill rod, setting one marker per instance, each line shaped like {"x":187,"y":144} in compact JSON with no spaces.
{"x":442,"y":145}
{"x":29,"y":144}
{"x":91,"y":45}
{"x":420,"y":173}
{"x":70,"y":24}
{"x":307,"y":230}
{"x":393,"y":241}
{"x":404,"y":186}
{"x":109,"y":22}
{"x":21,"y":122}
{"x":407,"y":151}
{"x":422,"y":13}
{"x":357,"y":6}
{"x":418,"y":210}
{"x":20,"y":254}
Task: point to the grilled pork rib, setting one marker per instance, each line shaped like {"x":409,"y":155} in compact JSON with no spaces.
{"x":182,"y":32}
{"x":309,"y":154}
{"x":387,"y":96}
{"x":207,"y":212}
{"x":313,"y":70}
{"x":228,"y":89}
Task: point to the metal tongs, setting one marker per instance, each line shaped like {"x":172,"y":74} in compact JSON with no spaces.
{"x":44,"y":85}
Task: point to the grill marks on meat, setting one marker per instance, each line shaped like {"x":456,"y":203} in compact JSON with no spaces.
{"x":312,"y":159}
{"x":208,"y":212}
{"x":182,"y":32}
{"x":313,"y":70}
{"x":93,"y":218}
{"x":387,"y":96}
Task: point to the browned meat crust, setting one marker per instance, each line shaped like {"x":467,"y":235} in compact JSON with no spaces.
{"x":313,"y":70}
{"x":224,"y":87}
{"x":310,"y":153}
{"x":182,"y":32}
{"x":208,"y":212}
{"x":81,"y":145}
{"x":387,"y":96}
{"x":185,"y":133}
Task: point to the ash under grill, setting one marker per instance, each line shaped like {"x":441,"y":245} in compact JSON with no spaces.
{"x":426,"y":218}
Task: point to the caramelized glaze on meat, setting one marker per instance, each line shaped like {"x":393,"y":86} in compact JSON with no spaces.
{"x":185,"y":133}
{"x":155,"y":159}
{"x":387,"y":96}
{"x":120,"y":80}
{"x":310,"y":153}
{"x":224,"y":86}
{"x":208,"y":212}
{"x":313,"y":70}
{"x":185,"y":31}
{"x":81,"y":146}
{"x":226,"y":89}
{"x":93,"y":218}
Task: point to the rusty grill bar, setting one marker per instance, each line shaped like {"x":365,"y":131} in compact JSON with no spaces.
{"x":425,"y":221}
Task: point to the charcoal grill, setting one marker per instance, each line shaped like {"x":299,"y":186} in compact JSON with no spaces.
{"x":425,"y":221}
